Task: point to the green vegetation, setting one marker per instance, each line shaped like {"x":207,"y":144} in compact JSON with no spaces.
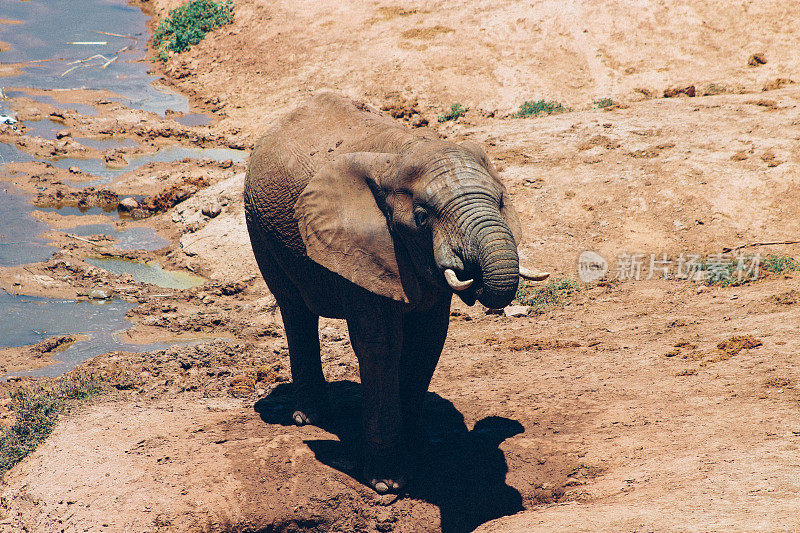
{"x":188,"y":24}
{"x":555,"y":293}
{"x":456,"y":111}
{"x":36,"y":409}
{"x":731,"y":273}
{"x":539,"y":107}
{"x":779,"y":264}
{"x":740,"y":270}
{"x":604,"y":102}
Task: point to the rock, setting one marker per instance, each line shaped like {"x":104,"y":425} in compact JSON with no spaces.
{"x":777,"y":83}
{"x":74,"y":170}
{"x":676,"y":91}
{"x":63,"y":133}
{"x":757,"y":59}
{"x":419,"y":121}
{"x":212,"y":210}
{"x":99,"y":293}
{"x":514,"y":311}
{"x":128,"y":204}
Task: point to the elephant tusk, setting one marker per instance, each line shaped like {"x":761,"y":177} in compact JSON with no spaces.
{"x":531,"y":275}
{"x":455,"y":283}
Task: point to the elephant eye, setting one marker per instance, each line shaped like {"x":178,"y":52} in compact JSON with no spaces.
{"x":421,"y":217}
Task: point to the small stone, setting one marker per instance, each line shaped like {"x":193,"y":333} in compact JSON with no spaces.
{"x":128,"y":204}
{"x":63,"y":133}
{"x":757,"y":59}
{"x":74,"y":170}
{"x":514,"y":311}
{"x":212,"y":210}
{"x":99,"y":293}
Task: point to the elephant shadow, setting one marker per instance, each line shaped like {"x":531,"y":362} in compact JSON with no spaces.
{"x":461,"y":471}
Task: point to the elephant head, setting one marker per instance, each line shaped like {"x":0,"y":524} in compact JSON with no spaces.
{"x":394,"y":223}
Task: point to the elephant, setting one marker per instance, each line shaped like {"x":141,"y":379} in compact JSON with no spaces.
{"x":354,"y":216}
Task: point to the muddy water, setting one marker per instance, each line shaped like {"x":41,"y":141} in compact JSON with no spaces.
{"x":45,"y":128}
{"x":146,"y":239}
{"x":41,"y":45}
{"x":167,"y":155}
{"x":147,"y":273}
{"x":48,"y":129}
{"x":194,"y":119}
{"x":12,"y":154}
{"x":28,"y":320}
{"x":19,"y":244}
{"x":43,"y":40}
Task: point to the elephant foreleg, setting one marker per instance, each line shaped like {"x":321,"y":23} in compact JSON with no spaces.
{"x":424,"y":335}
{"x":376,"y":337}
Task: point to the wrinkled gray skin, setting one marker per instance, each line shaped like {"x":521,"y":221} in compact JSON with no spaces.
{"x":353,"y":216}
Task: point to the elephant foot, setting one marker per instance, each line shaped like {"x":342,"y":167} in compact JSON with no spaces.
{"x":310,"y":409}
{"x":304,"y":417}
{"x":384,"y":486}
{"x":387,"y":474}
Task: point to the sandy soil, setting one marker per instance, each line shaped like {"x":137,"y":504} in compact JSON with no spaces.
{"x":623,"y":411}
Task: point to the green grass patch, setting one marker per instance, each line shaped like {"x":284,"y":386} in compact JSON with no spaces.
{"x":456,"y":111}
{"x":188,"y":24}
{"x":604,"y":102}
{"x":740,"y":270}
{"x":555,"y":293}
{"x":779,"y":264}
{"x":36,"y":409}
{"x":731,"y":273}
{"x":539,"y":107}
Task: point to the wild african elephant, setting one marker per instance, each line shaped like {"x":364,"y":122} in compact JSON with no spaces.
{"x":353,"y":216}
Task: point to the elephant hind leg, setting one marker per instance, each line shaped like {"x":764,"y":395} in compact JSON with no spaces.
{"x":302,"y":336}
{"x":302,"y":332}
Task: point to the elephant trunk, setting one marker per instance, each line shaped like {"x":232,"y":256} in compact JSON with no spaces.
{"x":499,"y":264}
{"x":489,"y":254}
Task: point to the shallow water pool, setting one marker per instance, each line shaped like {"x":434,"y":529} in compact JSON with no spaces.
{"x":146,"y":239}
{"x":31,"y":319}
{"x":147,"y":273}
{"x":19,"y":241}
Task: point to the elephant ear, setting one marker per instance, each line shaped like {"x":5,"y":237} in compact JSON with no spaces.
{"x":507,"y":210}
{"x":343,"y":227}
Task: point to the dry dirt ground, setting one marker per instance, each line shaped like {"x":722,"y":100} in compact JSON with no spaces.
{"x":623,"y":411}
